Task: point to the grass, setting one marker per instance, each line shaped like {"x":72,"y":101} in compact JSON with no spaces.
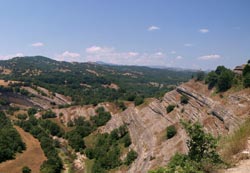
{"x":57,"y":121}
{"x":89,"y":164}
{"x":90,"y":140}
{"x":235,"y":143}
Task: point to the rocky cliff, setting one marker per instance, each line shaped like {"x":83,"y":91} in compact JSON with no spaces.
{"x":219,"y":114}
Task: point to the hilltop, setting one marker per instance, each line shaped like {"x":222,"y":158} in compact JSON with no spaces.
{"x":92,"y":83}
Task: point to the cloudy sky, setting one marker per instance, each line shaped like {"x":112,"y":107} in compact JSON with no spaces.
{"x":174,"y":33}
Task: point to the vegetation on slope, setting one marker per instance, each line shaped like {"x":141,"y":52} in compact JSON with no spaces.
{"x":42,"y":130}
{"x":202,"y":156}
{"x":234,"y":143}
{"x":107,"y":150}
{"x":10,"y":140}
{"x":87,"y":83}
{"x":223,"y":78}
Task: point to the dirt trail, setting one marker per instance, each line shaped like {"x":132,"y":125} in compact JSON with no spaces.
{"x":32,"y":157}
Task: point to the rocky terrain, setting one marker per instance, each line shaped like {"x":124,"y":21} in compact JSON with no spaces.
{"x":147,"y":123}
{"x":220,"y":114}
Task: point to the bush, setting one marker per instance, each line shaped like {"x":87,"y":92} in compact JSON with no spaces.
{"x":139,"y":101}
{"x":184,"y":99}
{"x":246,"y":70}
{"x":48,"y":114}
{"x":200,"y":76}
{"x":131,"y":156}
{"x":22,"y":116}
{"x":201,"y":145}
{"x":170,"y":108}
{"x":225,"y":80}
{"x":201,"y":157}
{"x":127,"y":140}
{"x":121,"y":105}
{"x":102,"y":118}
{"x":211,"y":79}
{"x":171,"y":131}
{"x":246,"y":80}
{"x":26,"y":169}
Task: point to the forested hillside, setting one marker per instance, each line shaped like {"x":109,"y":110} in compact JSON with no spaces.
{"x":92,"y":83}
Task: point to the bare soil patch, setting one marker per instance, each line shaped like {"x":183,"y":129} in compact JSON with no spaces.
{"x":32,"y":157}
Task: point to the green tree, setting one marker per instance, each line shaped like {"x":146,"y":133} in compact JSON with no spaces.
{"x":246,"y":80}
{"x":200,"y":76}
{"x":225,"y":80}
{"x":211,"y":79}
{"x":201,"y":145}
{"x":202,"y":156}
{"x":246,"y":70}
{"x":220,"y":69}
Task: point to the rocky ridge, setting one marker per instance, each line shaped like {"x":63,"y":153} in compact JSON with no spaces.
{"x":147,"y":123}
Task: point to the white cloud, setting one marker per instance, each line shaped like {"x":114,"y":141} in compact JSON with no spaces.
{"x":5,"y":57}
{"x":209,"y":57}
{"x":159,"y":53}
{"x":188,"y":45}
{"x":38,"y":44}
{"x":133,"y":53}
{"x":67,"y":56}
{"x":152,"y":28}
{"x":204,"y":30}
{"x":111,"y":55}
{"x":179,"y":57}
{"x":98,"y":49}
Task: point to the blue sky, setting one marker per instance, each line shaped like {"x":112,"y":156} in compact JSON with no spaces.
{"x":174,"y":33}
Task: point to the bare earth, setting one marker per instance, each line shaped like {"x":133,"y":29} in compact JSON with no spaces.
{"x":32,"y":157}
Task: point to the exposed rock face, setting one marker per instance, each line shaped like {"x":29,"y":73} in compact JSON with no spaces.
{"x":147,"y":123}
{"x":45,"y":101}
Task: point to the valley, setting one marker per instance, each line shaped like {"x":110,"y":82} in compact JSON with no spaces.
{"x":113,"y":136}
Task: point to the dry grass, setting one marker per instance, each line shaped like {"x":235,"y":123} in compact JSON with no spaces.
{"x":32,"y":157}
{"x":235,"y":143}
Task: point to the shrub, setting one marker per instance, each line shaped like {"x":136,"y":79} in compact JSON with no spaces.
{"x":171,"y":131}
{"x":131,"y":156}
{"x":139,"y":101}
{"x":211,"y":79}
{"x":49,"y":114}
{"x":225,"y":80}
{"x":32,"y":111}
{"x":200,"y":76}
{"x":26,"y":169}
{"x":246,"y":70}
{"x":184,"y":99}
{"x":22,"y":116}
{"x":246,"y":80}
{"x":201,"y":157}
{"x":127,"y":140}
{"x":201,"y":145}
{"x":170,"y":108}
